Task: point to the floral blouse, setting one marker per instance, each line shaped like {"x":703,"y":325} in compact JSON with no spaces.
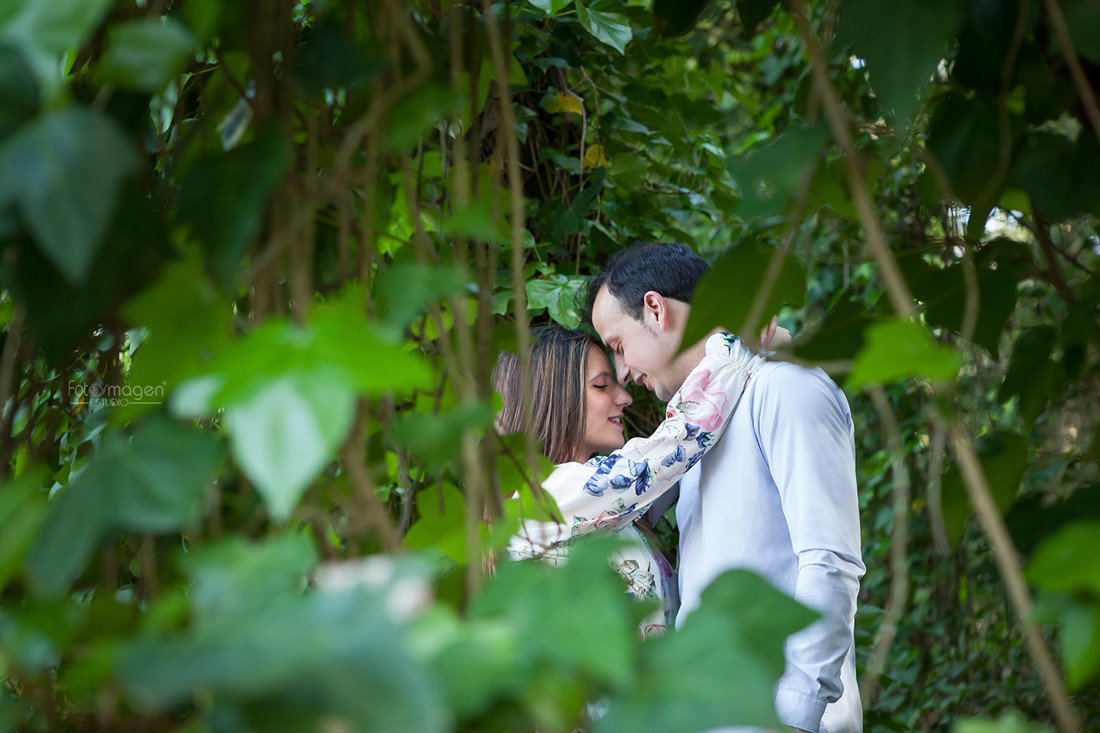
{"x":610,"y":493}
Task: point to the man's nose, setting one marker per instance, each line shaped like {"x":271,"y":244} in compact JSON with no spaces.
{"x":622,"y":371}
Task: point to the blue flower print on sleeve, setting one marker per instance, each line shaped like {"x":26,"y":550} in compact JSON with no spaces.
{"x":600,"y":480}
{"x":674,"y":457}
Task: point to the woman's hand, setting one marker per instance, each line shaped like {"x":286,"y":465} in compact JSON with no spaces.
{"x":773,"y":336}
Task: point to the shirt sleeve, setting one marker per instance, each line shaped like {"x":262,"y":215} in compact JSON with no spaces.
{"x":806,"y":435}
{"x":612,"y":491}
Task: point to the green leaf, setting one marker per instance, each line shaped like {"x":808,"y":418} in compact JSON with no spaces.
{"x":575,"y":622}
{"x":187,"y":322}
{"x":902,"y":43}
{"x":1083,"y":22}
{"x":752,"y":13}
{"x":608,"y":27}
{"x":46,"y":31}
{"x":146,"y":54}
{"x":283,"y":436}
{"x":441,"y":528}
{"x":964,"y":136}
{"x":773,"y":177}
{"x":1012,"y":722}
{"x":223,"y":198}
{"x":295,"y":661}
{"x":436,"y":439}
{"x":673,"y":18}
{"x":1004,"y":458}
{"x":551,"y":7}
{"x":719,"y":668}
{"x":289,"y":393}
{"x":235,"y":578}
{"x":943,"y":292}
{"x":329,"y":58}
{"x":22,"y":511}
{"x":1032,"y":374}
{"x":898,"y":349}
{"x":18,"y":91}
{"x":64,"y":170}
{"x":1078,"y":617}
{"x":558,"y":294}
{"x":417,"y":113}
{"x":1066,"y":561}
{"x":1058,"y":175}
{"x":725,"y":295}
{"x":153,"y":483}
{"x":404,"y":290}
{"x":839,"y":335}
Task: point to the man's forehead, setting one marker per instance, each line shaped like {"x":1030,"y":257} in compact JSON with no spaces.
{"x":607,"y":314}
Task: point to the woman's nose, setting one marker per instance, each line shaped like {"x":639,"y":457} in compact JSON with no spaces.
{"x":623,"y":398}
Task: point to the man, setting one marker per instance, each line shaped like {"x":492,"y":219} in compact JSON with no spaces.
{"x":777,"y":495}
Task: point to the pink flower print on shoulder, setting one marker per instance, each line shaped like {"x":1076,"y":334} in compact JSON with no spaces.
{"x":702,"y":401}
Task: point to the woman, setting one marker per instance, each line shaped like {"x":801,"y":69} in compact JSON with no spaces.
{"x":577,"y":412}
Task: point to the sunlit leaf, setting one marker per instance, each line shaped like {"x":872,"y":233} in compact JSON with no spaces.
{"x":594,"y":157}
{"x":283,"y":435}
{"x":898,"y":349}
{"x":606,"y":26}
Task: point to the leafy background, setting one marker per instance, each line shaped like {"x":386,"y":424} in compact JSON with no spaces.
{"x":257,"y":259}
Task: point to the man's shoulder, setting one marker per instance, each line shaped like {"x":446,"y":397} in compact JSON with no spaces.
{"x":787,"y":382}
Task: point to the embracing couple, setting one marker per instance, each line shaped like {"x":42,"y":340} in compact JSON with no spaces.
{"x":763,"y":453}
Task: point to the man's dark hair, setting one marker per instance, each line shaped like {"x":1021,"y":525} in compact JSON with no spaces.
{"x":668,"y":268}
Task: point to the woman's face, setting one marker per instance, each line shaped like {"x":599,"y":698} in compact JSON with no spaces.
{"x":604,"y":401}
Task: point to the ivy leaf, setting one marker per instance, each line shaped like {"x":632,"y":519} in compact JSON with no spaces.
{"x":727,"y":292}
{"x":1066,"y":561}
{"x":64,"y":170}
{"x":146,"y":54}
{"x":902,"y":42}
{"x":610,"y":28}
{"x":896,"y":349}
{"x":558,"y":294}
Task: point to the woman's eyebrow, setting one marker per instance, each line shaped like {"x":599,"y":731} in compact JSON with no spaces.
{"x":602,"y":375}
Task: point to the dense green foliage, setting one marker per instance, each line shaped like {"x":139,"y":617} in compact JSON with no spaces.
{"x":258,"y":258}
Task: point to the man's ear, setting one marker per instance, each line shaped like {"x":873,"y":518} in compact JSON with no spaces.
{"x":654,"y":310}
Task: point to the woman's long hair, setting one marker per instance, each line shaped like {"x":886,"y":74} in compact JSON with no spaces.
{"x":559,"y":370}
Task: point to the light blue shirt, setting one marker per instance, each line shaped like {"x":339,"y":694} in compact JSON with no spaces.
{"x":777,"y":495}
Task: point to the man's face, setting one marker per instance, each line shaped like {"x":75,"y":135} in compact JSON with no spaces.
{"x":645,"y":351}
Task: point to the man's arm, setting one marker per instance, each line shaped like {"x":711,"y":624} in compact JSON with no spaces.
{"x":806,"y":435}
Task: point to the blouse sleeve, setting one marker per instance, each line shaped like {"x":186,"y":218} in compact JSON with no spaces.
{"x":612,"y":491}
